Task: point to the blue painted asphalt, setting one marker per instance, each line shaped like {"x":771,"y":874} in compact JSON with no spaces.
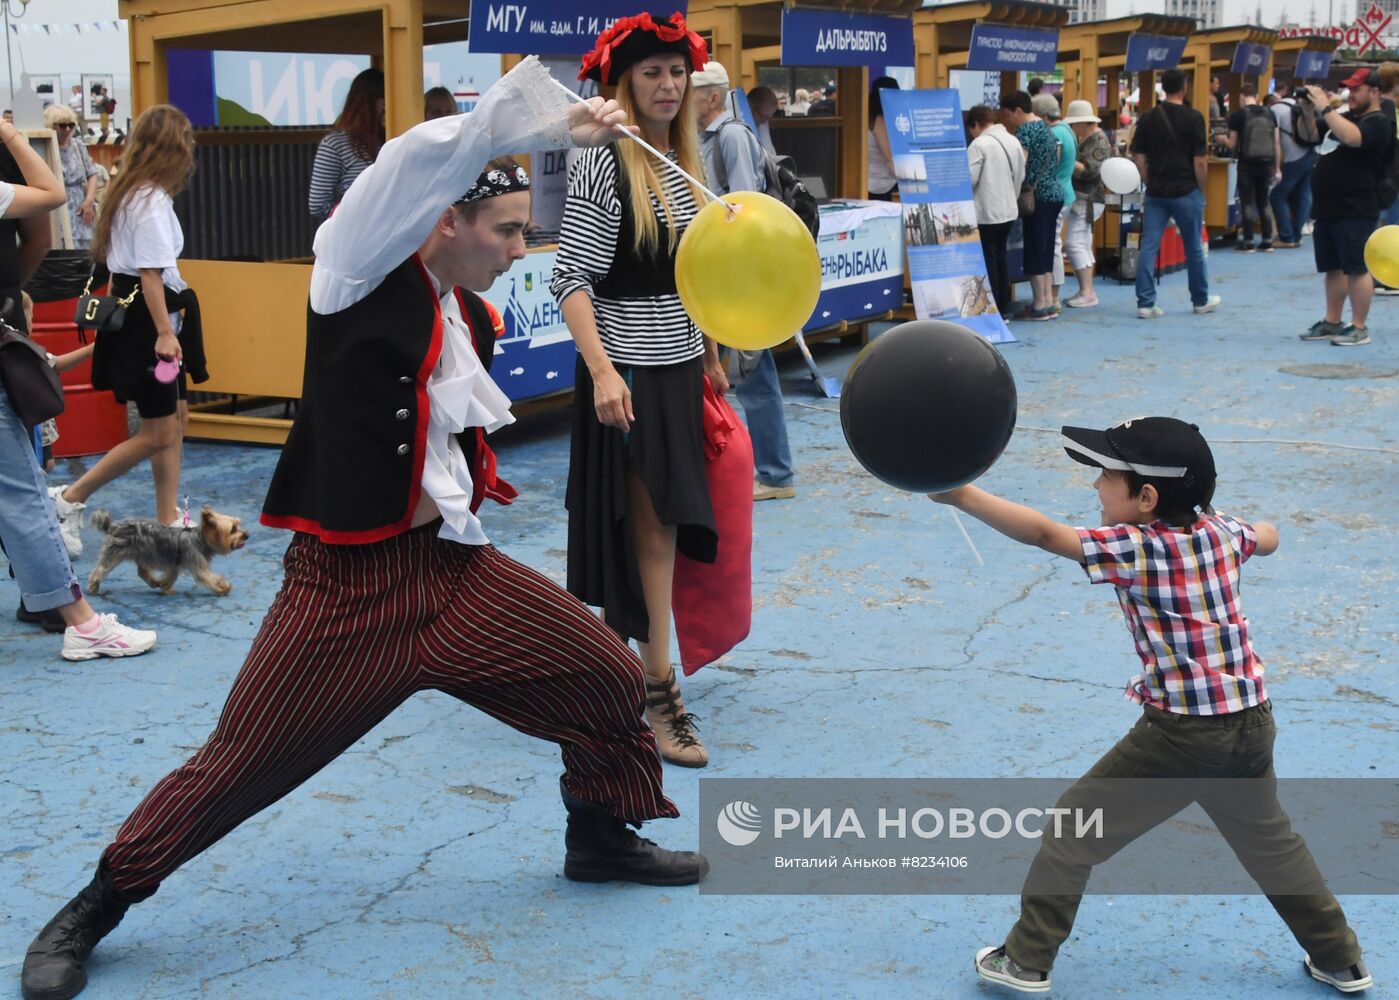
{"x":426,"y":861}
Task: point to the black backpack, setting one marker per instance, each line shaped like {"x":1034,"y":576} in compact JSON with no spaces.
{"x":782,"y":181}
{"x":1256,"y":139}
{"x":1306,"y":128}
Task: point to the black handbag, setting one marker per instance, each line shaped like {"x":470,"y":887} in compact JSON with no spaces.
{"x":102,"y":312}
{"x":34,"y":388}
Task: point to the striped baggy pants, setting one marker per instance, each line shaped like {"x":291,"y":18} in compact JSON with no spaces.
{"x":356,"y":630}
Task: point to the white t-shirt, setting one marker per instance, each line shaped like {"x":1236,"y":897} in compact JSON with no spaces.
{"x":7,"y":196}
{"x":146,"y":233}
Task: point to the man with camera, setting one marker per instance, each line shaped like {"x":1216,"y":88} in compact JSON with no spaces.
{"x":1354,"y":154}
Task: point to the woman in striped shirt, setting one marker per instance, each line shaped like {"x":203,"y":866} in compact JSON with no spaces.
{"x":636,"y":484}
{"x":350,"y":146}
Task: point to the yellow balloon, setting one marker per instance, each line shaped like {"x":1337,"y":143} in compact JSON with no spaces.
{"x":1382,"y":255}
{"x":750,"y":277}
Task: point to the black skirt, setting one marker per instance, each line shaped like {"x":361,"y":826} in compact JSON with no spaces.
{"x":665,"y":447}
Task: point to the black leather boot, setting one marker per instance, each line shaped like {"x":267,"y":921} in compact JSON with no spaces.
{"x":602,"y":848}
{"x":53,"y":966}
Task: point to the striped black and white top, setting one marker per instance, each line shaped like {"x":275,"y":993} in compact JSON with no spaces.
{"x":639,"y":329}
{"x":335,"y":169}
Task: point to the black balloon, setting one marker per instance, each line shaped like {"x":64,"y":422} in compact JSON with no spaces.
{"x":928,"y":406}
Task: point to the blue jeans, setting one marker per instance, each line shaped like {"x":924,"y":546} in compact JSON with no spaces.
{"x":1188,"y":211}
{"x":28,"y":527}
{"x":1390,"y":216}
{"x":761,"y":395}
{"x":1292,"y":198}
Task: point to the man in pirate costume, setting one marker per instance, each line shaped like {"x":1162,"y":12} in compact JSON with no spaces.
{"x":391,"y":586}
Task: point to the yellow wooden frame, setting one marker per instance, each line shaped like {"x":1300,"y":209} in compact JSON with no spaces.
{"x":255,"y":314}
{"x":942,"y":35}
{"x":747,"y":34}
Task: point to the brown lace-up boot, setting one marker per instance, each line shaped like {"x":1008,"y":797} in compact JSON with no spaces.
{"x":676,"y":733}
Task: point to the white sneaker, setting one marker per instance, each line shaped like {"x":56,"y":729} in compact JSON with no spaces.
{"x":1211,"y":304}
{"x":112,"y":638}
{"x":70,"y":521}
{"x":1351,"y":980}
{"x":1150,"y":312}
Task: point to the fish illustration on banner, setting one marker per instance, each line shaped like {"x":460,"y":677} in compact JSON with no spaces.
{"x":946,"y":268}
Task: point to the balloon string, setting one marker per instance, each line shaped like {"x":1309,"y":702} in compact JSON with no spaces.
{"x":654,"y":152}
{"x":962,"y":528}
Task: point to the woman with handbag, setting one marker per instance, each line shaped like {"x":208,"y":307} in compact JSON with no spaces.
{"x":49,"y":592}
{"x":637,"y":490}
{"x":1040,"y":202}
{"x":140,"y":239}
{"x":997,"y":164}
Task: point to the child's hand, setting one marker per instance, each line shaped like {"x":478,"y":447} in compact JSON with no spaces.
{"x":951,"y":497}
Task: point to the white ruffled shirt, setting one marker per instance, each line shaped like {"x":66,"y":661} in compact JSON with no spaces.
{"x":384,"y":218}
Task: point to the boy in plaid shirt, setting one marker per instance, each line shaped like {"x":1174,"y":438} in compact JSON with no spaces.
{"x":1175,"y":564}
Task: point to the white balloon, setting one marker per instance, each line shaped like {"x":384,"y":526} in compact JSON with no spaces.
{"x":1120,"y":175}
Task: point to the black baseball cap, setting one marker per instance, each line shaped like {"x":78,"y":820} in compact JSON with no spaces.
{"x":1159,"y":448}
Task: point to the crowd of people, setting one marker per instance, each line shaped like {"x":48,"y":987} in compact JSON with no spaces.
{"x":393,"y":587}
{"x":1309,"y":163}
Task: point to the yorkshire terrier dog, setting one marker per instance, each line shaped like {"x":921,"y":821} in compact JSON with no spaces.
{"x":160,"y":552}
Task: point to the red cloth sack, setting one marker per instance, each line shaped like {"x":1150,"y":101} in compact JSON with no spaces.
{"x":713,"y":602}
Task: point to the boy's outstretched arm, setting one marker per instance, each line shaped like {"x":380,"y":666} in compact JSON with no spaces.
{"x":1024,"y":524}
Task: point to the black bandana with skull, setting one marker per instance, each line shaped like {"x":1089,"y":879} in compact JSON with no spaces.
{"x":496,"y":182}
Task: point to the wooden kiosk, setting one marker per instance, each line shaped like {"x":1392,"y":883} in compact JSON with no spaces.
{"x":744,"y":35}
{"x":1094,"y":53}
{"x":942,"y":35}
{"x":1287,"y":50}
{"x":1209,"y":54}
{"x":254,"y":307}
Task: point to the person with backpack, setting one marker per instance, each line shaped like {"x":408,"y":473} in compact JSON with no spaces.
{"x":1353,"y":180}
{"x":1253,"y":136}
{"x":735,"y":161}
{"x":1169,"y":149}
{"x":1299,"y":134}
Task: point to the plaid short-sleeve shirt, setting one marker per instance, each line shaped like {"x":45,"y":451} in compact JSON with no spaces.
{"x":1179,"y":592}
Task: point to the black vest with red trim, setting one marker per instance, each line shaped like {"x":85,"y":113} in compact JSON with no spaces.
{"x":351,"y":471}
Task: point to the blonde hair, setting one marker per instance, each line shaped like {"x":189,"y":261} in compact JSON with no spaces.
{"x":55,"y":114}
{"x":639,"y":167}
{"x":160,"y":152}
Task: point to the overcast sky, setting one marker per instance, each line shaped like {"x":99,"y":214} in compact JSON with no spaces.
{"x":1243,"y":11}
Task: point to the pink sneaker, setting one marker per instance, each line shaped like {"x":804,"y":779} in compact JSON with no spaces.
{"x":112,"y":638}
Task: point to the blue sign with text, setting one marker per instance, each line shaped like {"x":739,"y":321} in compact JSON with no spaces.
{"x":946,"y":269}
{"x":1146,"y":52}
{"x":1313,"y":65}
{"x":822,"y":38}
{"x":996,"y":47}
{"x":1250,"y":58}
{"x":540,"y":27}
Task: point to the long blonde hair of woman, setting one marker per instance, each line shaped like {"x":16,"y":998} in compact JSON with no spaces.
{"x":642,"y":177}
{"x":160,"y":151}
